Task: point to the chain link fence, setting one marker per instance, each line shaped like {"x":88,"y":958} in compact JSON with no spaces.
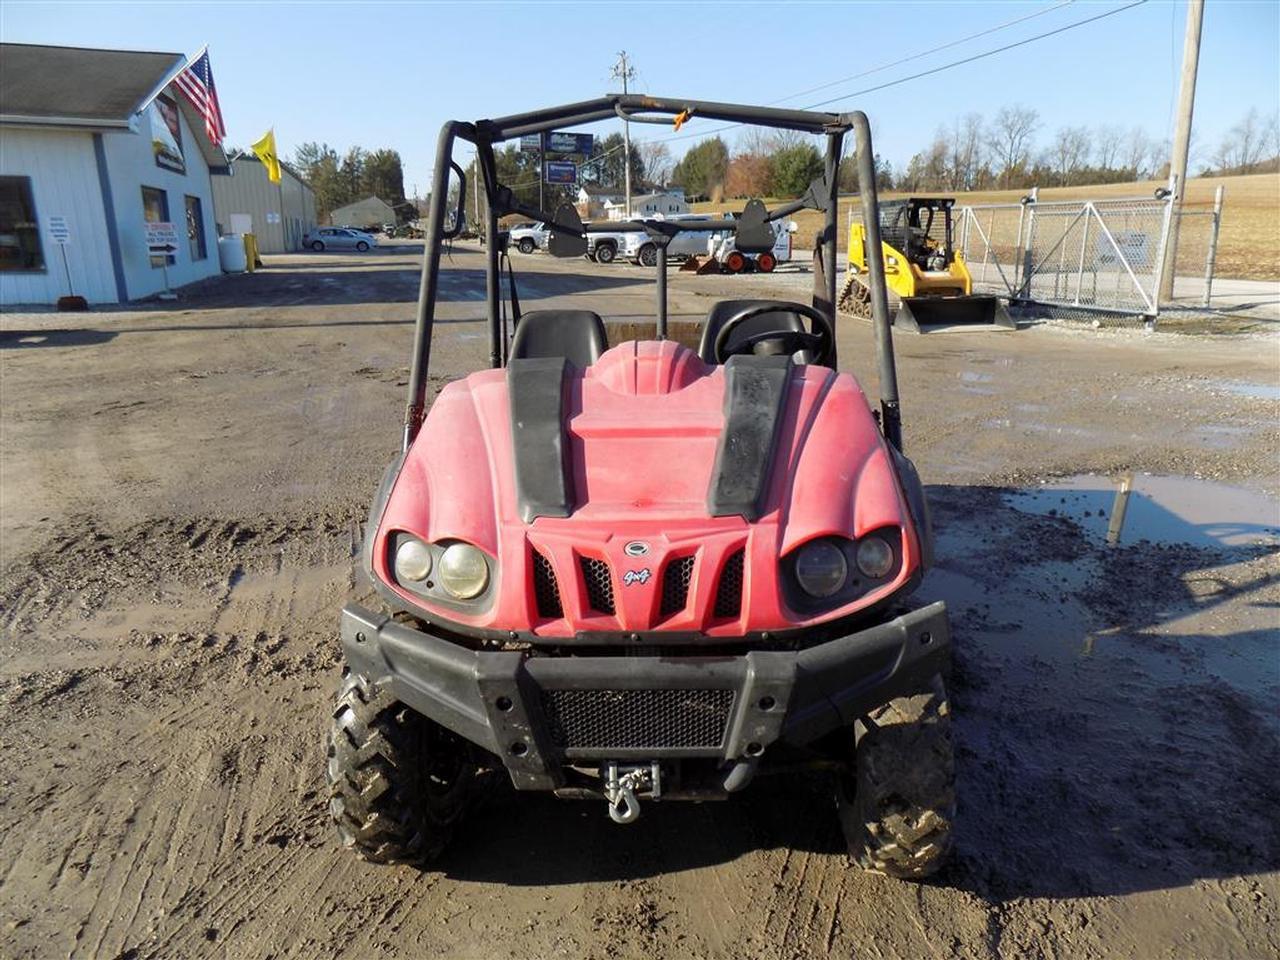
{"x":1093,"y":260}
{"x":1097,"y":261}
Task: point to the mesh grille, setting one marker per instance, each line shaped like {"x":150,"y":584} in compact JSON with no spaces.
{"x":595,"y":573}
{"x":546,"y":588}
{"x":641,"y":719}
{"x":675,"y":585}
{"x":729,"y":593}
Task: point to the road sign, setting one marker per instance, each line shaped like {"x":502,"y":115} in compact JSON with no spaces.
{"x":562,"y":171}
{"x":561,"y":142}
{"x":161,"y":237}
{"x":59,"y":230}
{"x":531,"y":142}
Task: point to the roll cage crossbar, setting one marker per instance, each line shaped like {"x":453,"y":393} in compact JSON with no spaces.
{"x":822,"y":195}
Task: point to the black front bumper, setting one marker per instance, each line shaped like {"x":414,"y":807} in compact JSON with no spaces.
{"x":539,"y":713}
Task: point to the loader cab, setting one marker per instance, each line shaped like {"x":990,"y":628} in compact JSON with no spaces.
{"x":921,"y":228}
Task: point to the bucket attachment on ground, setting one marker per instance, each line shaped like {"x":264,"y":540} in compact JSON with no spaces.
{"x":946,"y":314}
{"x":701,"y":265}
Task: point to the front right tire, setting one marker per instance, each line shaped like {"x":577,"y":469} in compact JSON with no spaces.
{"x":605,"y":253}
{"x":398,"y":782}
{"x":898,"y":805}
{"x":526,"y":245}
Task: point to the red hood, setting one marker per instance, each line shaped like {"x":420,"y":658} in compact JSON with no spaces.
{"x":644,"y":424}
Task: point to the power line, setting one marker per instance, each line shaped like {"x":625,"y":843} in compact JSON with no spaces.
{"x":979,"y":56}
{"x":924,"y":53}
{"x":930,"y":72}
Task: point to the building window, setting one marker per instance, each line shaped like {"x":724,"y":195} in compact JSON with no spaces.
{"x":155,"y":209}
{"x":20,"y":247}
{"x":195,"y":229}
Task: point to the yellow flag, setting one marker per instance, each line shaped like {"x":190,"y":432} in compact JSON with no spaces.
{"x":266,"y":151}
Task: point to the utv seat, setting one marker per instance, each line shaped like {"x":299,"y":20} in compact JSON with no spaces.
{"x":783,"y":317}
{"x":576,"y":335}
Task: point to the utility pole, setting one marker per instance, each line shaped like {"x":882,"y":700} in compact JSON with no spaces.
{"x":542,"y":170}
{"x":1181,"y":143}
{"x":624,"y":71}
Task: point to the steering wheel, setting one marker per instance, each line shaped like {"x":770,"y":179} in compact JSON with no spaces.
{"x":821,"y":340}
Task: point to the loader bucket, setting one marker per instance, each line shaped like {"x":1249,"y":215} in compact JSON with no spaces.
{"x":700,"y":265}
{"x":948,"y":314}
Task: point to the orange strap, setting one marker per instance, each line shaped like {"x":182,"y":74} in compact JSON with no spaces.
{"x":681,"y":117}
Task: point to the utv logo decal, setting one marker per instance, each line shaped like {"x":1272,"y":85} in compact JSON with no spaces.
{"x":636,"y":576}
{"x":636,"y":548}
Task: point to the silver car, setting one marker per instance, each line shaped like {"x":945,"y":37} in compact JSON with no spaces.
{"x":337,"y":238}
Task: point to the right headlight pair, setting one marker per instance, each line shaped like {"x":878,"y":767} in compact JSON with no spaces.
{"x":822,"y":567}
{"x":463,"y":570}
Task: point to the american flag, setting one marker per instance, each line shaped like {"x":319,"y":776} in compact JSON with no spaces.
{"x":196,"y":84}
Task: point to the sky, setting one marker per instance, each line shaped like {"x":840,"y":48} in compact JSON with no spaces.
{"x":388,"y":74}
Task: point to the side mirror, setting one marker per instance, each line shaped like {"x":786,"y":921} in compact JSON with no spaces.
{"x":561,"y":243}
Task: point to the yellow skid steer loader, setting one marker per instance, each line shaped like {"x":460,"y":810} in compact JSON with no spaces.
{"x":923,"y":269}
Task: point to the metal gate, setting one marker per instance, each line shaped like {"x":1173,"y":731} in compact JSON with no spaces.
{"x":1088,"y":255}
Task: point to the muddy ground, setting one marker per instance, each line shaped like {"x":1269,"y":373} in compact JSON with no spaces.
{"x":182,"y":491}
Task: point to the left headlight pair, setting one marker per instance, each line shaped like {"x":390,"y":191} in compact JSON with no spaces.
{"x":463,"y":570}
{"x":822,"y":567}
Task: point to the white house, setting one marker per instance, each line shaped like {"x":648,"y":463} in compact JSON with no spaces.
{"x":648,"y":205}
{"x":93,"y":144}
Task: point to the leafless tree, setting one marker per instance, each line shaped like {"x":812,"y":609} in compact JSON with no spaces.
{"x":1248,"y":138}
{"x":1107,"y":140}
{"x":1070,"y":152}
{"x":965,"y":152}
{"x":656,"y":157}
{"x":1137,"y":146}
{"x":1271,"y":136}
{"x":754,"y":142}
{"x":1012,"y":137}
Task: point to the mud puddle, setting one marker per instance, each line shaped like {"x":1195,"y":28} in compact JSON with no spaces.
{"x":1254,"y":391}
{"x":1157,"y":509}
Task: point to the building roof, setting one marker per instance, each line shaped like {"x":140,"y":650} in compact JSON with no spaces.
{"x":594,"y":190}
{"x":655,"y":196}
{"x":286,"y":168}
{"x":361,"y":203}
{"x":80,"y":86}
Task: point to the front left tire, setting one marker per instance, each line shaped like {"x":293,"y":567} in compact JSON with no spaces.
{"x":898,"y":804}
{"x":398,"y":782}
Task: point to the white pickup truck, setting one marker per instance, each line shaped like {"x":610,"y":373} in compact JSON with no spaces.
{"x":529,"y":237}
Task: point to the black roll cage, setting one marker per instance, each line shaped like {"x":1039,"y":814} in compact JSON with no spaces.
{"x":823,"y":195}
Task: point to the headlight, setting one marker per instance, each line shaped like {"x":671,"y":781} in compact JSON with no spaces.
{"x":464,"y":572}
{"x":875,"y":557}
{"x":821,"y":568}
{"x":413,"y":560}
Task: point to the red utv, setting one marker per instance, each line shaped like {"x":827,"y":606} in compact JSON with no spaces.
{"x":639,"y":572}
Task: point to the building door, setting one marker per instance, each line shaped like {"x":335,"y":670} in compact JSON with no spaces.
{"x":155,"y":209}
{"x":195,"y":229}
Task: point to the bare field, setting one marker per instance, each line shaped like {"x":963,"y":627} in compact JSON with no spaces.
{"x":1248,"y":246}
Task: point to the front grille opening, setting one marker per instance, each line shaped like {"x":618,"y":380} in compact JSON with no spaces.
{"x":546,"y":588}
{"x":640,"y":719}
{"x":729,"y":593}
{"x":599,"y":584}
{"x":675,"y":585}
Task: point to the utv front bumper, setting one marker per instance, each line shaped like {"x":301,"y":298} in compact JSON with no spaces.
{"x":542,"y":713}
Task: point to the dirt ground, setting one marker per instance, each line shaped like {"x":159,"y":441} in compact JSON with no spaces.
{"x":182,"y":490}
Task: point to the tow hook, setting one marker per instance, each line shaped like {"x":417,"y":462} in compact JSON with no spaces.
{"x":622,"y":783}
